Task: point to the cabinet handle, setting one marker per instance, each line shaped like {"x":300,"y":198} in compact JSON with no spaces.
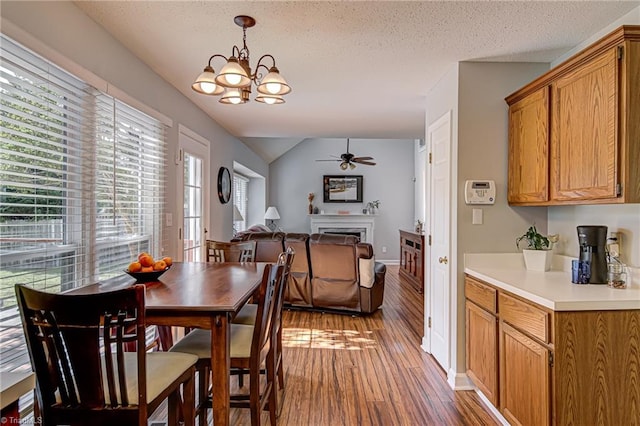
{"x":443,"y":260}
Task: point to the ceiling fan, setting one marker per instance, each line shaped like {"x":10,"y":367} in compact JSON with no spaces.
{"x":348,"y":160}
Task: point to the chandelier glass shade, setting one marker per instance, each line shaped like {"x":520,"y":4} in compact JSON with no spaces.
{"x":235,"y":78}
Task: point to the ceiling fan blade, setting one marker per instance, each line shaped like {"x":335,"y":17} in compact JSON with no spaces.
{"x":362,"y":158}
{"x":328,"y":160}
{"x":367,"y":163}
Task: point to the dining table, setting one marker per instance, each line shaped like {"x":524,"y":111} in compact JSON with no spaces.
{"x":198,"y":295}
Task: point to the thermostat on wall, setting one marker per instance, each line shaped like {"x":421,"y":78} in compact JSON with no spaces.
{"x":479,"y":192}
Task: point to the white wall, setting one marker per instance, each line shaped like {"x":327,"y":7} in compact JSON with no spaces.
{"x":420,"y":165}
{"x":297,"y":173}
{"x":61,"y":32}
{"x":475,"y":93}
{"x":482,"y":154}
{"x":622,"y":218}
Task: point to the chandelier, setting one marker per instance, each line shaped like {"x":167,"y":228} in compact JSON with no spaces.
{"x":235,"y":78}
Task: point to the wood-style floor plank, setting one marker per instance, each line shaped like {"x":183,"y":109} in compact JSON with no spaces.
{"x":348,"y":370}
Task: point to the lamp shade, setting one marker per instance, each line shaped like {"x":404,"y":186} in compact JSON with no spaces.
{"x":237,"y":216}
{"x":273,"y":83}
{"x":206,"y":83}
{"x":272,"y":214}
{"x":233,"y":75}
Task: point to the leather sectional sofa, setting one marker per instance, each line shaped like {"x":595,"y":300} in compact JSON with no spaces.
{"x":329,"y":272}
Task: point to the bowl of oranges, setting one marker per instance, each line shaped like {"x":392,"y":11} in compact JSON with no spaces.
{"x":147,"y":269}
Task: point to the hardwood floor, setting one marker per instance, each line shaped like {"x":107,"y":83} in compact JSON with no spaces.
{"x":369,"y":370}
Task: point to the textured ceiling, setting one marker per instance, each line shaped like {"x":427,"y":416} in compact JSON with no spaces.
{"x":357,"y":69}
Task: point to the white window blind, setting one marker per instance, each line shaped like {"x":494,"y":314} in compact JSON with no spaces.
{"x":240,"y":184}
{"x":81,"y":184}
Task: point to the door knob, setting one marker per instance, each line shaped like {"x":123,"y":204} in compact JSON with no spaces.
{"x":443,"y":260}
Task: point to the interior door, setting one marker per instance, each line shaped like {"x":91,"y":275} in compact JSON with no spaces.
{"x":438,"y":286}
{"x":193,"y":178}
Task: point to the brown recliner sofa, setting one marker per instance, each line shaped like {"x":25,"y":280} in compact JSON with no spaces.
{"x":329,"y":271}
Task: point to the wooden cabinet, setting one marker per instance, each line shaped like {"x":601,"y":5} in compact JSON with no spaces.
{"x":574,"y":136}
{"x":584,"y":155}
{"x":525,"y":381}
{"x":482,"y":338}
{"x":528,"y":179}
{"x":553,"y":368}
{"x":412,"y":259}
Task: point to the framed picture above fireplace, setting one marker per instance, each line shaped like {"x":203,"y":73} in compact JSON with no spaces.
{"x":342,"y":188}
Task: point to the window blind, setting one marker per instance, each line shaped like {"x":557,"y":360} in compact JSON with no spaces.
{"x":240,"y":184}
{"x":81,"y":182}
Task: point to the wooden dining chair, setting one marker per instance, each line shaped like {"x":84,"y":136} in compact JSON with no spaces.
{"x":84,"y":376}
{"x":234,"y":251}
{"x":247,"y":315}
{"x":249,"y":350}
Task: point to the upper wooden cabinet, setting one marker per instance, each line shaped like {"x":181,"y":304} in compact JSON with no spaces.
{"x":574,"y":133}
{"x":528,"y":179}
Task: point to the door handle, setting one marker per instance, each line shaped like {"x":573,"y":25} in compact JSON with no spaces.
{"x":443,"y":260}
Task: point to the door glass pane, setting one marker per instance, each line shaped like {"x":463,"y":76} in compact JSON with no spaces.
{"x":192,"y":239}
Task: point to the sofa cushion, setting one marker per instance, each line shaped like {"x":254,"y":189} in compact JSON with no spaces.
{"x":367,"y":273}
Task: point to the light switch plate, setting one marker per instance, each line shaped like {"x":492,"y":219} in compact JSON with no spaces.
{"x":477,"y":217}
{"x":168,"y":218}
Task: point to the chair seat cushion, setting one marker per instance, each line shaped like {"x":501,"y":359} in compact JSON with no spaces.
{"x":247,"y":315}
{"x":163,"y":368}
{"x":198,"y":342}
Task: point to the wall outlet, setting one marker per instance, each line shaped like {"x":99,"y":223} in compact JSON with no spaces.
{"x":384,"y":249}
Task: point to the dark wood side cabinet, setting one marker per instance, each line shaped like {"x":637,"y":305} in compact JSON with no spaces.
{"x":412,"y":259}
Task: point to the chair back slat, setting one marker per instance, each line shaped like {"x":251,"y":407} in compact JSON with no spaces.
{"x":71,"y":341}
{"x":286,"y":259}
{"x":234,"y":251}
{"x":264,"y":317}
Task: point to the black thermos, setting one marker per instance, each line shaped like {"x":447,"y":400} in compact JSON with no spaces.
{"x":592,"y":241}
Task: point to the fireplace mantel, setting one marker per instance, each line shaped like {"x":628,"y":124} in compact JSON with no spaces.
{"x":347,"y":223}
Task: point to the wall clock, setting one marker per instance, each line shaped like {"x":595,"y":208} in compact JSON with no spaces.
{"x":224,"y":185}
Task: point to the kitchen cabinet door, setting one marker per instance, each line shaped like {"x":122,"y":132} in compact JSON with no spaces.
{"x":584,"y":142}
{"x":525,"y":381}
{"x":528,"y":180}
{"x":482,"y":350}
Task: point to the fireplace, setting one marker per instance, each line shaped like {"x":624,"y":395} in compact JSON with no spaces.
{"x":358,"y":232}
{"x":353,"y":224}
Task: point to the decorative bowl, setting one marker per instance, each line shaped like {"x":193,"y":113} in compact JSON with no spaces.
{"x":145,"y":277}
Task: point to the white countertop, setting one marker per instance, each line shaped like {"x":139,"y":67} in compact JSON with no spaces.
{"x":552,"y":289}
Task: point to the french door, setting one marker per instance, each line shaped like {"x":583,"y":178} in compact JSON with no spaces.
{"x":193,"y":183}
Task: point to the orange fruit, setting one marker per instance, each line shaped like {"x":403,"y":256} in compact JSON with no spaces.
{"x":146,"y":260}
{"x":159,"y":265}
{"x":134,"y":267}
{"x":147,"y":269}
{"x":144,"y":253}
{"x":168,"y":260}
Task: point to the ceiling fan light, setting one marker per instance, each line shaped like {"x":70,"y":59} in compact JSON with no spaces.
{"x":270,"y":100}
{"x":352,"y":166}
{"x":344,"y":165}
{"x":273,"y":83}
{"x":232,"y":96}
{"x":206,"y":83}
{"x":232,"y":75}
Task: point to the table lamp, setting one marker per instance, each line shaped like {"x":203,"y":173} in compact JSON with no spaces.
{"x":271,"y":215}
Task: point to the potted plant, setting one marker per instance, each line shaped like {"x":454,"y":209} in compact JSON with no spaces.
{"x":537,"y":253}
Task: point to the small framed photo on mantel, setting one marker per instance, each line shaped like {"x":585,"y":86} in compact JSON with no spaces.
{"x":342,"y":189}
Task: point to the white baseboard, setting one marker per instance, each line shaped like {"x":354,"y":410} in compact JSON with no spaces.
{"x":493,"y":409}
{"x":459,"y":381}
{"x":424,"y":345}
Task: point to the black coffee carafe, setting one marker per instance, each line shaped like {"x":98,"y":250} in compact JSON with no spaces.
{"x":592,"y":241}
